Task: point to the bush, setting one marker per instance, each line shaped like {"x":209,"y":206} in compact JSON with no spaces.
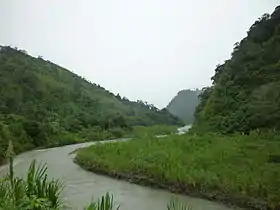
{"x":117,"y":132}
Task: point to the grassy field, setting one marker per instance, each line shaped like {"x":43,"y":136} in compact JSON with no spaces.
{"x":148,"y":131}
{"x":95,"y":134}
{"x":240,"y":170}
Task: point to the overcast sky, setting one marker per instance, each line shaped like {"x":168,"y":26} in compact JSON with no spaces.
{"x":142,"y":49}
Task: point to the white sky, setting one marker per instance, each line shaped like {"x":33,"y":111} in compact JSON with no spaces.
{"x":142,"y":49}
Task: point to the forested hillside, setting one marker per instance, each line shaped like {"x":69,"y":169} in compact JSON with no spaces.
{"x":183,"y":105}
{"x":40,"y":100}
{"x":245,"y":94}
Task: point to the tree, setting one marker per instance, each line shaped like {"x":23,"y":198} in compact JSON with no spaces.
{"x":245,"y":92}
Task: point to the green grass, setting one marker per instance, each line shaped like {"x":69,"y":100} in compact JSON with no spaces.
{"x":145,"y":131}
{"x":242,"y":170}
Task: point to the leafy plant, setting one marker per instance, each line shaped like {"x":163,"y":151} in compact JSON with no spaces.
{"x":34,"y":193}
{"x":104,"y":203}
{"x":175,"y":205}
{"x":39,"y":186}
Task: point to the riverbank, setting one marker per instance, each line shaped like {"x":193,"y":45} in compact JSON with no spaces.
{"x":80,"y":186}
{"x":64,"y":138}
{"x":236,"y":170}
{"x":38,"y":191}
{"x":60,"y":139}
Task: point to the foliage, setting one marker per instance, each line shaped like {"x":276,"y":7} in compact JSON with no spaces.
{"x":175,"y":205}
{"x":37,"y":192}
{"x":183,"y":105}
{"x":147,"y":131}
{"x":105,"y":203}
{"x":245,"y":93}
{"x":237,"y":169}
{"x":43,"y":104}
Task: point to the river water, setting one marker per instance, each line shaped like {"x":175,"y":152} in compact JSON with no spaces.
{"x":82,"y":186}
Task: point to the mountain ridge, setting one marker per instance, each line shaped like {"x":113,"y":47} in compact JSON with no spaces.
{"x":40,"y":100}
{"x":183,"y":105}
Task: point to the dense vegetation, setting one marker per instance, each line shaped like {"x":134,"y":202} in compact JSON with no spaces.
{"x":238,"y":169}
{"x":183,"y":105}
{"x":43,"y":104}
{"x":245,"y":93}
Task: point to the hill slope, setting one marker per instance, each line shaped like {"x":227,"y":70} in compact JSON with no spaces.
{"x":183,"y":105}
{"x":40,"y":99}
{"x":246,"y":89}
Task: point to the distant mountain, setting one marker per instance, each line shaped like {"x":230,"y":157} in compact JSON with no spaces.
{"x":40,"y":99}
{"x":183,"y":105}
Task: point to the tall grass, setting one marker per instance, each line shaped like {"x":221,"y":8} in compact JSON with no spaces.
{"x":175,"y":205}
{"x":36,"y":192}
{"x":104,"y":203}
{"x":236,"y":169}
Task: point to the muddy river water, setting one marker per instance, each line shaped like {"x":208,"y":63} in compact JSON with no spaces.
{"x":80,"y":186}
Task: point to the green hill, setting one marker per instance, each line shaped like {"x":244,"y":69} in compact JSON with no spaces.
{"x":183,"y":105}
{"x":40,"y":100}
{"x":245,"y":94}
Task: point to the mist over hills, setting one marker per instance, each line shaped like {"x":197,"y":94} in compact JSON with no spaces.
{"x":183,"y":105}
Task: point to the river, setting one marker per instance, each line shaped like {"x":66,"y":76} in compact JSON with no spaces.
{"x":82,"y":186}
